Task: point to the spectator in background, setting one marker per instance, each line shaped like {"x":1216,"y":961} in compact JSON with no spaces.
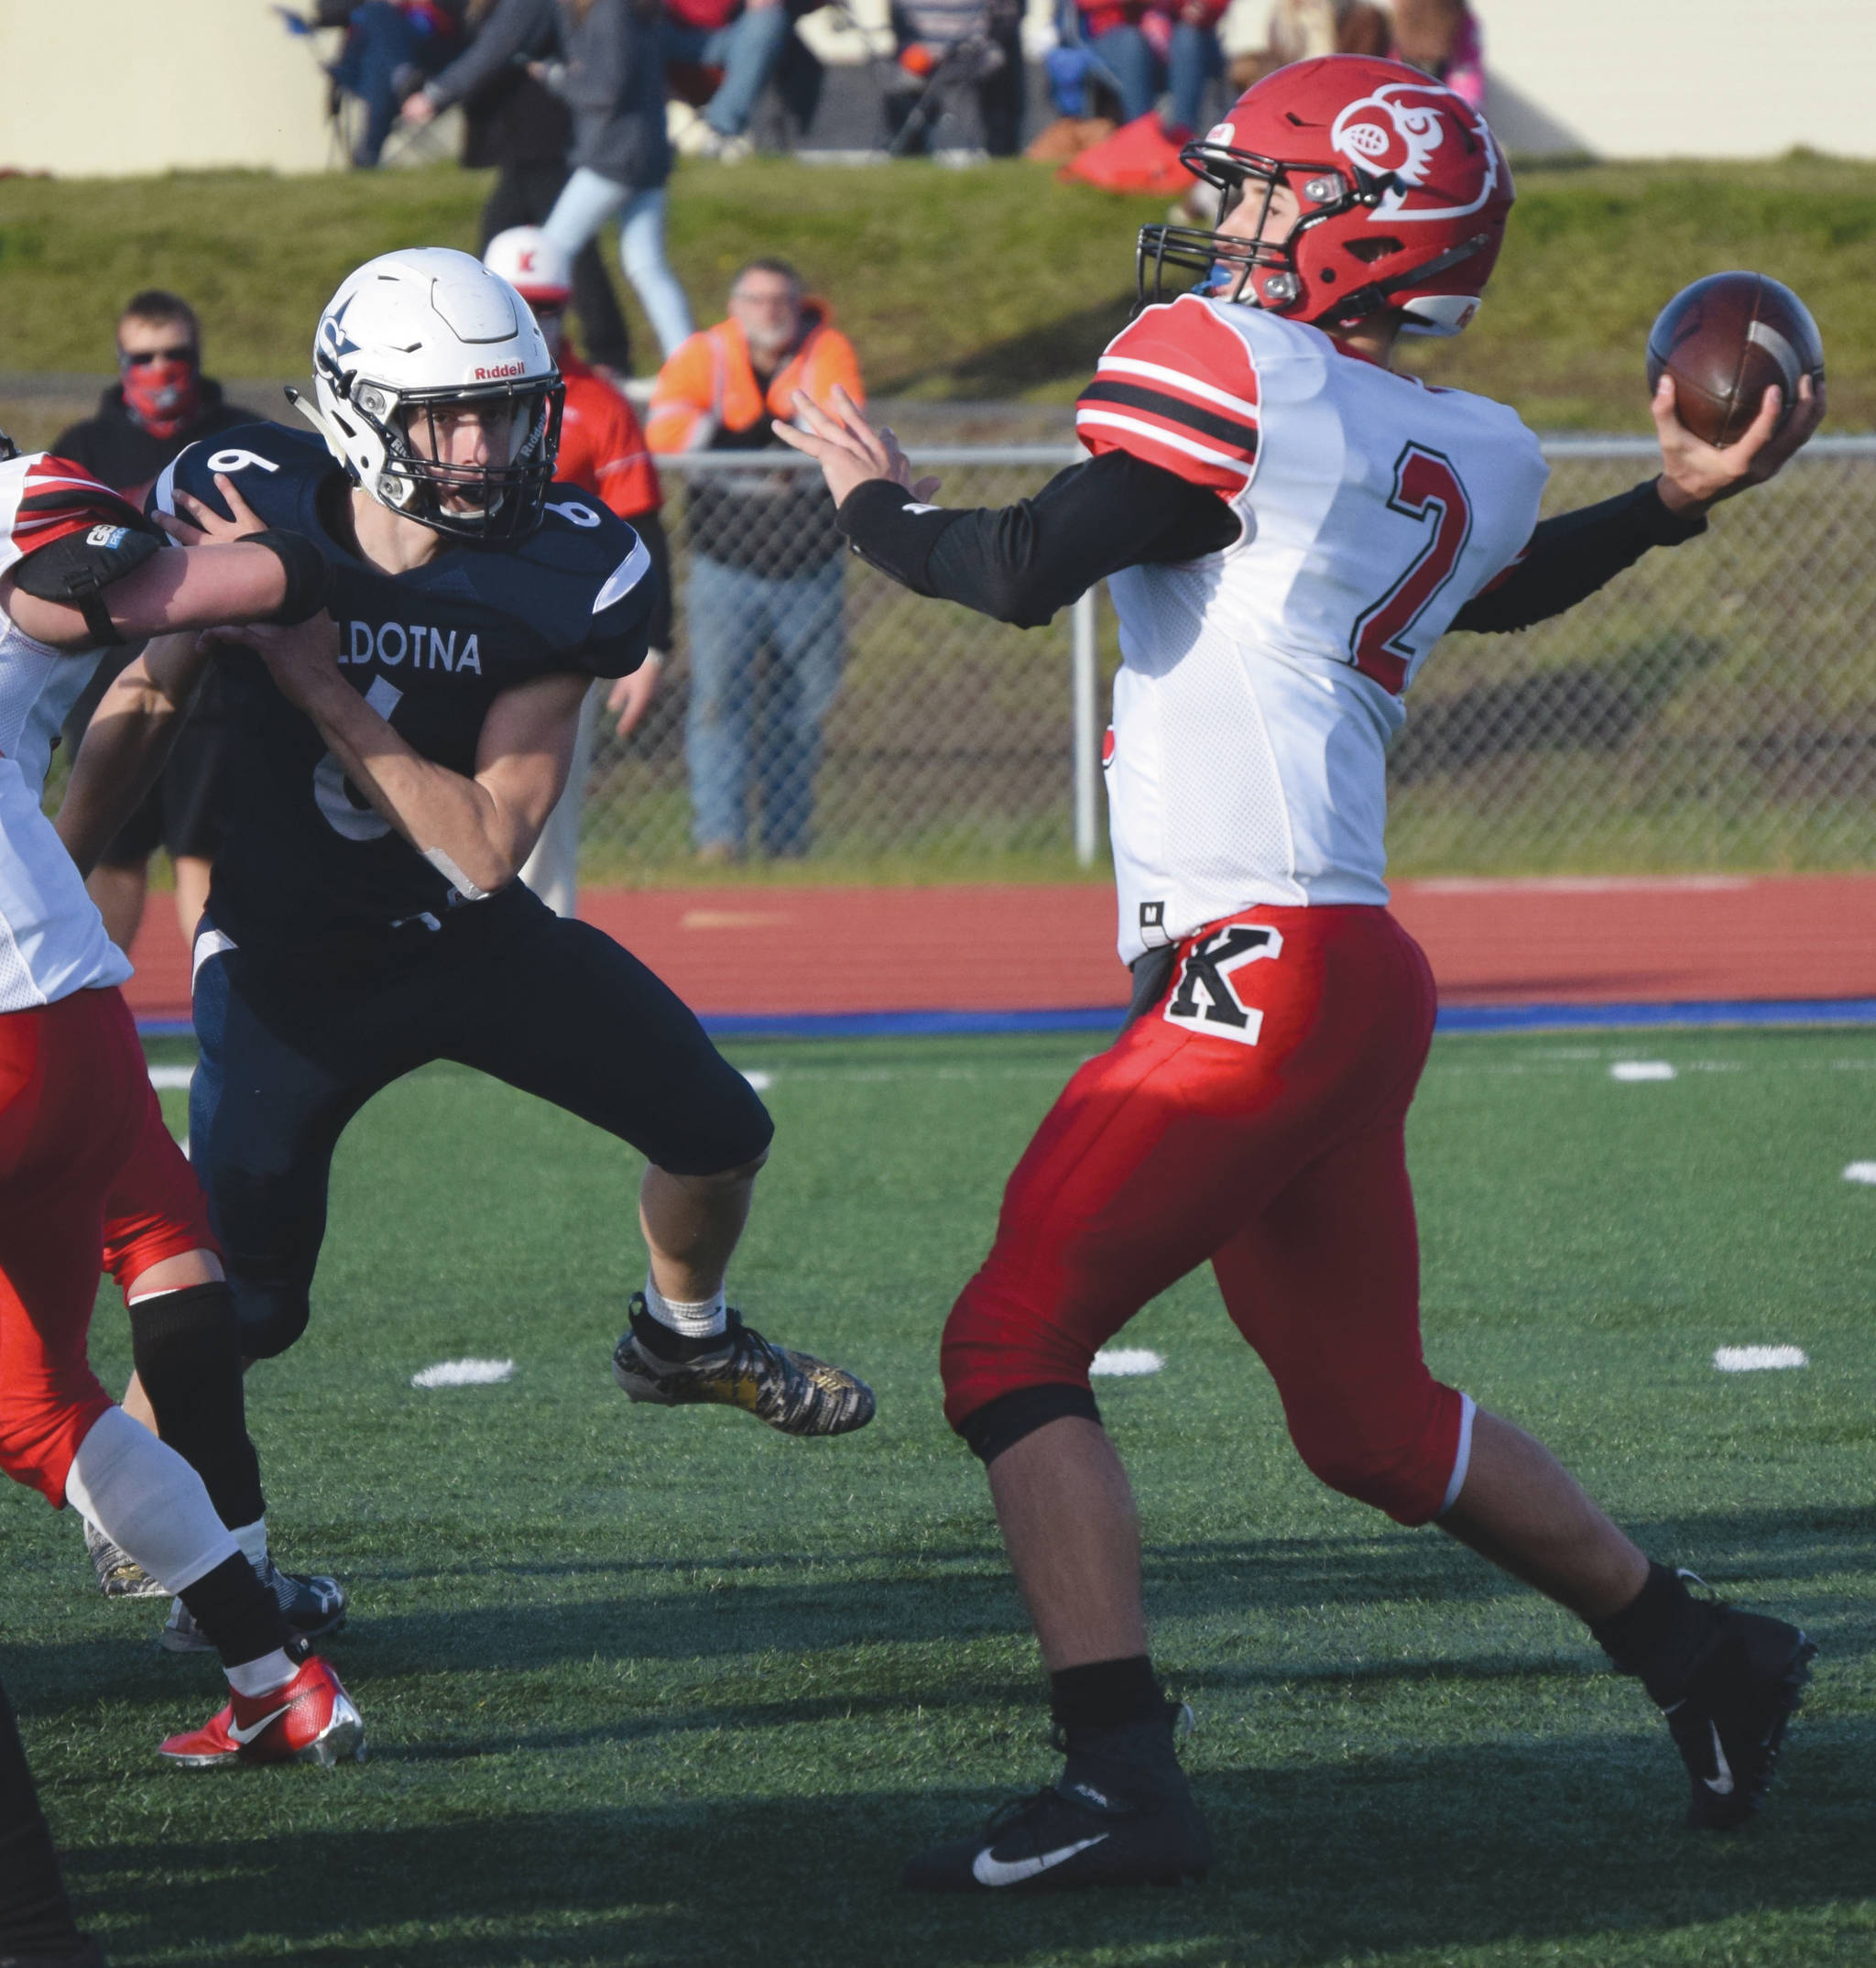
{"x":1441,"y":37}
{"x":1150,"y":46}
{"x":746,"y":39}
{"x":602,"y":451}
{"x":976,"y":43}
{"x":765,"y":560}
{"x":521,"y":128}
{"x":1302,"y":29}
{"x":608,"y":72}
{"x":161,"y":403}
{"x":389,"y":47}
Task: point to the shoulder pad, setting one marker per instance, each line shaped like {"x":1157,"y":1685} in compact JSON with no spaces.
{"x":269,"y":453}
{"x":46,"y":499}
{"x":1176,"y":388}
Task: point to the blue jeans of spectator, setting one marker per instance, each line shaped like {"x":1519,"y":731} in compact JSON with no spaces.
{"x":381,"y":39}
{"x":585,"y":203}
{"x":733,"y":612}
{"x":746,"y":51}
{"x":1192,"y":60}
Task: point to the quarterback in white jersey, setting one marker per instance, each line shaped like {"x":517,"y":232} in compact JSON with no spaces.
{"x":85,"y":1160}
{"x":1287,"y":526}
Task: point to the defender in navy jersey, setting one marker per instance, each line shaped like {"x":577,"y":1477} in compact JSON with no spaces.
{"x":392,"y":765}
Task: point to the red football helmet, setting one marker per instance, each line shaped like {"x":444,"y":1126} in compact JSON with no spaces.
{"x":1403,"y":191}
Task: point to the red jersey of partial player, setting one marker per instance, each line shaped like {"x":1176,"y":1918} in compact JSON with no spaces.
{"x":52,"y":940}
{"x":1261,"y":685}
{"x":603,"y":448}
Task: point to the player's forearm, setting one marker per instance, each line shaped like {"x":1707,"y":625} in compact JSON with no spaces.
{"x":451,"y":821}
{"x":125,"y":749}
{"x":1020,"y":564}
{"x":1574,"y":555}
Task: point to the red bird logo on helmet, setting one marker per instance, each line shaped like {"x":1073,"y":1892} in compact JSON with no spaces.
{"x":1398,"y":133}
{"x":1400,"y":192}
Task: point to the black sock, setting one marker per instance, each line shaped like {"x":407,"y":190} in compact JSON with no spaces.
{"x":1106,"y":1694}
{"x":35,"y":1916}
{"x":668,"y":1344}
{"x":242,"y":1619}
{"x":1652,"y":1637}
{"x":187,"y":1346}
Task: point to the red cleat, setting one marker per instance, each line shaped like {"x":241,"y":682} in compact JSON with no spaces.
{"x":310,"y":1720}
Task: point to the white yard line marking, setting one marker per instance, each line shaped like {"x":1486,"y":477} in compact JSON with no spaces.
{"x":1859,"y":1172}
{"x":759,"y":1080}
{"x":1758,"y":1359}
{"x":465,"y":1373}
{"x":171,"y":1078}
{"x":1126,"y":1361}
{"x":1638,"y":1069}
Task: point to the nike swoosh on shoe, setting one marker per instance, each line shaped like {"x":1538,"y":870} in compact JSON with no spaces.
{"x":247,"y":1734}
{"x":994,"y":1872}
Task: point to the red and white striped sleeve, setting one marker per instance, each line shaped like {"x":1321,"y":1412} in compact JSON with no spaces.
{"x":43,"y":499}
{"x":1176,"y":388}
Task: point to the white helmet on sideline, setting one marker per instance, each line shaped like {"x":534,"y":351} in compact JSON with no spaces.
{"x":538,"y":269}
{"x":414,"y":331}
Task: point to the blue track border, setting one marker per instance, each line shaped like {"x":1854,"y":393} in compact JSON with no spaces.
{"x":1695,"y":1014}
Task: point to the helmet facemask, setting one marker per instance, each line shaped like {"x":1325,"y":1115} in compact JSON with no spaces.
{"x":486,"y":502}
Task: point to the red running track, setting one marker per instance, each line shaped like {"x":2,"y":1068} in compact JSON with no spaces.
{"x":753,"y":951}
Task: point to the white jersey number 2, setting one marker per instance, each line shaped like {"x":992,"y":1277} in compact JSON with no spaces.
{"x":1426,"y":489}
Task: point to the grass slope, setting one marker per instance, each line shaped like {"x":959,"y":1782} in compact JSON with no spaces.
{"x":657,"y":1687}
{"x":994,"y":282}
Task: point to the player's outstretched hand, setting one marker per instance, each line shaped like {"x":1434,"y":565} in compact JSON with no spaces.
{"x":631,"y":695}
{"x":849,"y":450}
{"x":303,"y":661}
{"x":202,"y":526}
{"x":1695,"y":476}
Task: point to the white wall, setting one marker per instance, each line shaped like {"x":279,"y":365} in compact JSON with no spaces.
{"x":1682,"y":78}
{"x":111,"y":88}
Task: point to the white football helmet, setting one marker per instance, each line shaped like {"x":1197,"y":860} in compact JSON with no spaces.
{"x":538,"y":269}
{"x":412,"y":332}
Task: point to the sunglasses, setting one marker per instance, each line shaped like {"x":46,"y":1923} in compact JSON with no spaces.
{"x":141,"y":358}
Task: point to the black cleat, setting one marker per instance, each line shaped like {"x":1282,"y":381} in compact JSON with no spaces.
{"x":1741,"y":1689}
{"x":311,"y":1603}
{"x":1121,"y":1814}
{"x":793,"y":1392}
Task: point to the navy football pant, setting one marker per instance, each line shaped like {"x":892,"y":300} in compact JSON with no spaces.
{"x":295,"y":1040}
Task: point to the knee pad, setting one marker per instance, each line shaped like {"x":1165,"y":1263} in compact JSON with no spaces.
{"x":999,"y":1349}
{"x":272,"y":1317}
{"x":1410,"y":1465}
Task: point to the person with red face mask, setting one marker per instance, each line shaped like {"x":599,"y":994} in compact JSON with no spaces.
{"x":161,"y":404}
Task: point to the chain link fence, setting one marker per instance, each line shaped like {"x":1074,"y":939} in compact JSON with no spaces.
{"x":1714,"y":708}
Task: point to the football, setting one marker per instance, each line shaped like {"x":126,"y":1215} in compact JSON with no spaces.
{"x":1724,"y":340}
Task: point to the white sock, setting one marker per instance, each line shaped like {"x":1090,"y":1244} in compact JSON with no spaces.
{"x":706,"y":1319}
{"x":262,"y":1676}
{"x":148,"y":1501}
{"x":253,"y":1540}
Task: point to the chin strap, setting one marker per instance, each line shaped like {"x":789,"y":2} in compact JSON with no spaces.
{"x":320,"y":422}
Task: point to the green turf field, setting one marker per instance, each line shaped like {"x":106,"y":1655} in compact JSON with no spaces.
{"x":665,"y":1688}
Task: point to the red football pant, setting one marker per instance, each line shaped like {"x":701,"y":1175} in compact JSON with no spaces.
{"x":1254,"y":1116}
{"x":79,"y":1126}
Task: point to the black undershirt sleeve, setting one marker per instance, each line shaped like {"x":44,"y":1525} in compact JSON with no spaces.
{"x":1022,"y":562}
{"x":1574,"y":555}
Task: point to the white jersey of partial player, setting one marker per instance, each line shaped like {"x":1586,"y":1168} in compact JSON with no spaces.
{"x":1261,"y":685}
{"x":53,"y":939}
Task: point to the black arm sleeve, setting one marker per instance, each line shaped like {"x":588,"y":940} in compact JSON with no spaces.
{"x":1574,"y":555}
{"x":1022,"y":562}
